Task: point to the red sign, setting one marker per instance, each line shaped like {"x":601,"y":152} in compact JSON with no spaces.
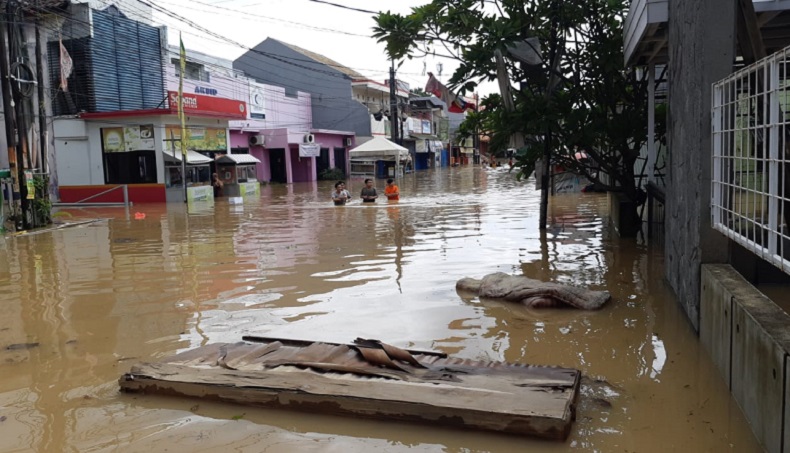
{"x":200,"y":105}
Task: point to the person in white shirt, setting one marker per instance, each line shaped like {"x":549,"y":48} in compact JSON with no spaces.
{"x":340,"y":195}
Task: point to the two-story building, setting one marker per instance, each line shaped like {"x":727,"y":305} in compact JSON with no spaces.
{"x":117,"y":122}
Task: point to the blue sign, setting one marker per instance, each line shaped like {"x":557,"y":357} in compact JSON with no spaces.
{"x":204,"y":90}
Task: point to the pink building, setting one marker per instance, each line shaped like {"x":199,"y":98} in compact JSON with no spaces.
{"x":279,"y":133}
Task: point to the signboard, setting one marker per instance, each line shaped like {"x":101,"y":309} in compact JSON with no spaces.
{"x":257,"y":107}
{"x":129,"y":138}
{"x":31,"y":186}
{"x":250,"y":189}
{"x":199,"y":138}
{"x":415,"y":125}
{"x":200,"y":193}
{"x":208,"y":106}
{"x":309,"y":150}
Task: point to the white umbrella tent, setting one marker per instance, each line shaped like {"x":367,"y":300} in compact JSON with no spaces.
{"x":365,"y":156}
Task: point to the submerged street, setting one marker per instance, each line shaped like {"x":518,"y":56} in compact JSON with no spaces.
{"x":81,"y":305}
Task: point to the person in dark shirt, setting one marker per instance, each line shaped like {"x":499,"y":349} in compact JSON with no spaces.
{"x":369,"y":193}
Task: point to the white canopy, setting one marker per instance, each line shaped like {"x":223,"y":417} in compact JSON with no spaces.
{"x":193,"y":157}
{"x":379,"y":148}
{"x":238,"y":159}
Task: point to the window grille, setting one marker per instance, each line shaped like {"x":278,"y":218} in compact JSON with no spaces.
{"x":750,"y":198}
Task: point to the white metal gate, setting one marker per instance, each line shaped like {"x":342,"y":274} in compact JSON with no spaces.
{"x":751,"y":158}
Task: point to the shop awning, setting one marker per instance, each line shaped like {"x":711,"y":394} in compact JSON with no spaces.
{"x":237,"y":159}
{"x":193,"y":157}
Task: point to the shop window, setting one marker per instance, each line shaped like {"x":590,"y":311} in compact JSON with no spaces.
{"x":252,"y":175}
{"x":192,"y":70}
{"x":196,"y":175}
{"x":241,"y":173}
{"x":133,"y":167}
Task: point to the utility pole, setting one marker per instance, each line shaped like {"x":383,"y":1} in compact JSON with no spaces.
{"x":42,"y":108}
{"x":394,"y":118}
{"x":11,"y":104}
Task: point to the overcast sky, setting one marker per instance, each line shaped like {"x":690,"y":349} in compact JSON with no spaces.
{"x":340,"y":34}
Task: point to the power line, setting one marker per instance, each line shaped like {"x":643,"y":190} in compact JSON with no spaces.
{"x":337,"y":5}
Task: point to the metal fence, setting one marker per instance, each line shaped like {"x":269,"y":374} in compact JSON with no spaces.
{"x":751,"y":158}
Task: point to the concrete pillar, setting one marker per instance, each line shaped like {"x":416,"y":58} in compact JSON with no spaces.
{"x":701,"y":51}
{"x":650,"y":168}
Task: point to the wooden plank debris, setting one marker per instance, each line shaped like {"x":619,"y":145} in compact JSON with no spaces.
{"x":371,"y":379}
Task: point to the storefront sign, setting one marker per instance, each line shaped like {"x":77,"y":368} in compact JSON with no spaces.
{"x":129,"y":138}
{"x":198,"y":138}
{"x":309,"y":150}
{"x":199,"y":104}
{"x":204,"y":90}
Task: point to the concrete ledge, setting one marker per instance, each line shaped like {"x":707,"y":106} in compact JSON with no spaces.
{"x":715,"y":323}
{"x":758,"y":344}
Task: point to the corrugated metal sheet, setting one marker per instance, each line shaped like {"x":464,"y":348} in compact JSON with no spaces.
{"x":370,"y":379}
{"x":119,"y":68}
{"x":104,"y":72}
{"x":132,"y":51}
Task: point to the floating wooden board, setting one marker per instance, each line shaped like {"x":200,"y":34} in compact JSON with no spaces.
{"x":370,"y":381}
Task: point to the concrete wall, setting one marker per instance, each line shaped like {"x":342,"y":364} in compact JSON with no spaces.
{"x":333,"y":106}
{"x":702,"y":51}
{"x":746,"y":334}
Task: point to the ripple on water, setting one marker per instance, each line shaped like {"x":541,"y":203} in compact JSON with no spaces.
{"x":290,"y":264}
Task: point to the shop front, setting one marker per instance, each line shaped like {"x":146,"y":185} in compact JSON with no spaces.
{"x":198,"y":176}
{"x":141,"y":150}
{"x":239,"y":175}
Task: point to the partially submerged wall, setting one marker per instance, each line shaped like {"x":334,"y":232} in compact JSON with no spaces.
{"x":702,"y":51}
{"x":748,"y":338}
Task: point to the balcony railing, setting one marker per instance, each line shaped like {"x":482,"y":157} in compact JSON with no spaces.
{"x":751,"y":158}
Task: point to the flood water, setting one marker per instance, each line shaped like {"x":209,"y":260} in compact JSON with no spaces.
{"x":99,"y":297}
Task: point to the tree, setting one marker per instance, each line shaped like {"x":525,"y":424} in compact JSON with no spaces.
{"x":597,"y":108}
{"x":419,"y":92}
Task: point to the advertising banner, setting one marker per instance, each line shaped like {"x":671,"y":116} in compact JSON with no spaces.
{"x":199,"y":138}
{"x":112,"y":139}
{"x":309,"y":150}
{"x":129,"y":138}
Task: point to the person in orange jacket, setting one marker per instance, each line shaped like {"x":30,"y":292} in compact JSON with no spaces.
{"x":391,"y":191}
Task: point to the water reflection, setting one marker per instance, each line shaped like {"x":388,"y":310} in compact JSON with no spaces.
{"x":101,"y":296}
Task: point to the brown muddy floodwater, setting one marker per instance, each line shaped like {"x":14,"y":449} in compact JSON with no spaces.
{"x":99,"y":297}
